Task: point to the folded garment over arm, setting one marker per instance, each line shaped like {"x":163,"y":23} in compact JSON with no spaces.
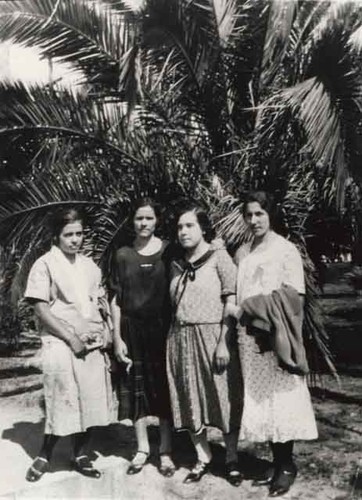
{"x":279,"y":314}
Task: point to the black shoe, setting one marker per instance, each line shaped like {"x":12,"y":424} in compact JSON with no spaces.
{"x":135,"y":467}
{"x":84,"y":466}
{"x":197,"y":472}
{"x":265,"y":477}
{"x":283,"y":480}
{"x":233,"y":474}
{"x":39,"y":467}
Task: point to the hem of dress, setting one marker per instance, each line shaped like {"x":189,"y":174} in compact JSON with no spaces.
{"x":253,"y":439}
{"x":121,"y":417}
{"x":48,"y":430}
{"x":204,"y":426}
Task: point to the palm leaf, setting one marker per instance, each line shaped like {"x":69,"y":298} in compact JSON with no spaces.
{"x":61,"y":113}
{"x":89,"y":35}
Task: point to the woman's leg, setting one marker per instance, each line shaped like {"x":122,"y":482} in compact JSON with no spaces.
{"x":49,"y":442}
{"x":283,"y":453}
{"x":232,"y":467}
{"x":203,"y":453}
{"x":285,"y":468}
{"x":82,"y":462}
{"x":231,"y":445}
{"x":143,"y":446}
{"x":41,"y":463}
{"x":165,"y":437}
{"x":201,"y":446}
{"x":166,"y":466}
{"x":80,"y":441}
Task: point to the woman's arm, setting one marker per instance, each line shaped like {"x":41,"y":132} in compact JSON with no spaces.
{"x":120,"y":347}
{"x":56,"y":328}
{"x":222,"y":355}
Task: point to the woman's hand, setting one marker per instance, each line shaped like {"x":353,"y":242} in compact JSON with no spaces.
{"x":121,"y":354}
{"x":77,"y":346}
{"x":232,"y":310}
{"x":221,"y":356}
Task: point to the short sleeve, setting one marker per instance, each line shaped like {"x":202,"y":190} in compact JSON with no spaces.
{"x":293,"y":273}
{"x":38,"y":284}
{"x":240,"y":253}
{"x":117,"y":275}
{"x":227,"y":272}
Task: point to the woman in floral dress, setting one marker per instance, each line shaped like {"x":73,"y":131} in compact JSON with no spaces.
{"x":277,"y":404}
{"x":202,"y":365}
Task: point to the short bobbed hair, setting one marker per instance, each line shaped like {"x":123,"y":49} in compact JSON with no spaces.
{"x":202,"y":218}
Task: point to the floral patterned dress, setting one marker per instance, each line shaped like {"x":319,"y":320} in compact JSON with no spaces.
{"x":201,"y":396}
{"x":277,"y":404}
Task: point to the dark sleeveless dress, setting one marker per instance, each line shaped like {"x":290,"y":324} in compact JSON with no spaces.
{"x":141,"y":286}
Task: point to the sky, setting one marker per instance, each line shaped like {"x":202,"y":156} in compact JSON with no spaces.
{"x":17,"y":62}
{"x":26,"y":64}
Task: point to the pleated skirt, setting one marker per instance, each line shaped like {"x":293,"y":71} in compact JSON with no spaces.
{"x":144,"y":390}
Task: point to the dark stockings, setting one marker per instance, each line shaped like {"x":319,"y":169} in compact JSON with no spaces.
{"x":283,"y":453}
{"x":48,"y":446}
{"x":80,"y":441}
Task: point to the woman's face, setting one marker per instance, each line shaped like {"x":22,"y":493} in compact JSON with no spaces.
{"x":144,"y":222}
{"x":257,"y":219}
{"x":71,"y":238}
{"x":189,"y":232}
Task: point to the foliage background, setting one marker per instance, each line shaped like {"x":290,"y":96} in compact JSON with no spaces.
{"x":204,"y":99}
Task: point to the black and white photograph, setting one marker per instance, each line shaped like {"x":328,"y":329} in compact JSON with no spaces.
{"x":180,"y":249}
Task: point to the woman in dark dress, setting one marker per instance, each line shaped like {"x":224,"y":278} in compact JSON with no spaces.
{"x":140,"y":314}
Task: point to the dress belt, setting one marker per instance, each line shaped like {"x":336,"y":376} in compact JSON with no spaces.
{"x":193,"y":323}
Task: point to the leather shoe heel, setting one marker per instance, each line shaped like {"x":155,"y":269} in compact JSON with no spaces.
{"x":199,"y":470}
{"x":265,"y":478}
{"x":85,"y":467}
{"x":233,"y":474}
{"x":283,"y":481}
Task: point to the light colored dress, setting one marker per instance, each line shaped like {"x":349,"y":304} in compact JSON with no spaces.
{"x":77,"y":392}
{"x":199,"y":395}
{"x":277,"y":404}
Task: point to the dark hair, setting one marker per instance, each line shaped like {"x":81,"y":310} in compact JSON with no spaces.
{"x":202,"y":218}
{"x":266,"y":201}
{"x":63,"y":217}
{"x":146,"y":202}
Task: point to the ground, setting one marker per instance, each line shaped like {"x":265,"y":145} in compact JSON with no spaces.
{"x":329,"y":468}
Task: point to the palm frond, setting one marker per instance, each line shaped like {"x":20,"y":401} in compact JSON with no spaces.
{"x":355,"y":40}
{"x":89,"y":35}
{"x":43,"y":111}
{"x":281,"y":17}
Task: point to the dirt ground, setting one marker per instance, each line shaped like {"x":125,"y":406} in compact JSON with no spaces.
{"x":328,"y":467}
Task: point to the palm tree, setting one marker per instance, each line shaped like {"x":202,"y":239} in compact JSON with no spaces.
{"x":204,"y":98}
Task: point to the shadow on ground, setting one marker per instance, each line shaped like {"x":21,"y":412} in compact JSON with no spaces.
{"x":118,"y":440}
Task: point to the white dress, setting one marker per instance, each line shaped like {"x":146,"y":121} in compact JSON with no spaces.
{"x":277,"y":404}
{"x":77,"y":392}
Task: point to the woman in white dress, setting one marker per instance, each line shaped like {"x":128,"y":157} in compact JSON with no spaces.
{"x":277,"y":404}
{"x":65,"y":289}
